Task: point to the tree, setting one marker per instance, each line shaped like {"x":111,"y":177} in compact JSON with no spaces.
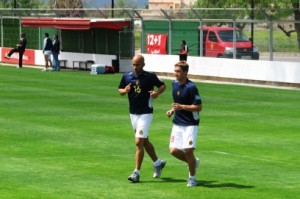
{"x":122,"y":4}
{"x":296,"y":6}
{"x":125,"y":4}
{"x":65,"y":3}
{"x":21,"y":3}
{"x":71,"y":4}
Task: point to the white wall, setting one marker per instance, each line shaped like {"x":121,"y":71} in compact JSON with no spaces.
{"x":125,"y":65}
{"x":70,"y":57}
{"x":271,"y":71}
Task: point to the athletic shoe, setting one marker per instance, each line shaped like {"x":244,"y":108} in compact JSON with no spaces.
{"x":191,"y":182}
{"x":158,"y":169}
{"x":134,"y":177}
{"x":44,"y":70}
{"x":19,"y":67}
{"x":7,"y":57}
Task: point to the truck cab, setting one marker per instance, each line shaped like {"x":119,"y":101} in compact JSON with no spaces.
{"x":219,"y":42}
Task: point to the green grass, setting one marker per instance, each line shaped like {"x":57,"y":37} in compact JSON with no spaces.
{"x":67,"y":135}
{"x":281,"y":43}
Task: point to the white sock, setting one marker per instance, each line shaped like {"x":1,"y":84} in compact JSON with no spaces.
{"x":193,"y":177}
{"x":137,"y":171}
{"x":157,"y":163}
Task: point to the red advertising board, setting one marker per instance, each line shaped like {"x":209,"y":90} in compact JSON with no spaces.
{"x":28,"y":57}
{"x":157,"y":43}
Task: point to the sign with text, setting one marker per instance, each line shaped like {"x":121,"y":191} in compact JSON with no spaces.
{"x":28,"y":57}
{"x":157,"y":43}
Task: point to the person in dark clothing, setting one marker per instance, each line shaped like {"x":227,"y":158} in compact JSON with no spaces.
{"x":139,"y":86}
{"x":47,"y":51}
{"x":186,"y":106}
{"x":20,"y":48}
{"x":184,"y":51}
{"x":55,"y":53}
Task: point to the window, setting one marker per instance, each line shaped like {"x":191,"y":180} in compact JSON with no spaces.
{"x":212,"y":37}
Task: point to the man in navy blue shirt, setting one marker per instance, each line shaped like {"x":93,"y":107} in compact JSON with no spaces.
{"x":139,"y":86}
{"x":186,"y":106}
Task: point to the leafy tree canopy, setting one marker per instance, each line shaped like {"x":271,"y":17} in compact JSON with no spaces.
{"x":21,"y":3}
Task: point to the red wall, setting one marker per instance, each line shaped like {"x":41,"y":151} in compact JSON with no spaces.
{"x":28,"y":57}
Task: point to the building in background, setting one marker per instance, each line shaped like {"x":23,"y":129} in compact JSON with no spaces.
{"x":170,"y":4}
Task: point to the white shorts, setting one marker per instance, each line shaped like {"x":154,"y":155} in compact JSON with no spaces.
{"x":141,"y":124}
{"x":48,"y":53}
{"x":183,"y":137}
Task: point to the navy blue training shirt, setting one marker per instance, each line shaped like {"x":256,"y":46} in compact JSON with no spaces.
{"x":140,"y":101}
{"x":186,"y":94}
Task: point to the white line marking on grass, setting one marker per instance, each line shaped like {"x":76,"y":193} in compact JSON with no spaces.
{"x":220,"y":152}
{"x":249,"y":157}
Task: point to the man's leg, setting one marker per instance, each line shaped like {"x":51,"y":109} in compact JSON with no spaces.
{"x":12,"y":51}
{"x":46,"y":61}
{"x":150,"y":150}
{"x":192,"y":164}
{"x":158,"y":164}
{"x":53,"y":62}
{"x":57,"y":62}
{"x":191,"y":160}
{"x":139,"y":155}
{"x":179,"y":154}
{"x":49,"y":59}
{"x":21,"y":59}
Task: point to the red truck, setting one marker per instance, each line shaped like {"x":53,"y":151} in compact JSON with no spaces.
{"x":219,"y":42}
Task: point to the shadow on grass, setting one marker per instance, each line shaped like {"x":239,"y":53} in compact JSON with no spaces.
{"x":163,"y":180}
{"x":172,"y":180}
{"x":215,"y":184}
{"x":202,"y":183}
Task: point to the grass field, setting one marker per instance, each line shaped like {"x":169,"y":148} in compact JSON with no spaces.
{"x":281,"y":43}
{"x":67,"y":135}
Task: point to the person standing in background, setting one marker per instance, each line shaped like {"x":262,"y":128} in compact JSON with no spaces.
{"x":55,"y":53}
{"x":20,"y":48}
{"x":184,"y":51}
{"x":47,"y":51}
